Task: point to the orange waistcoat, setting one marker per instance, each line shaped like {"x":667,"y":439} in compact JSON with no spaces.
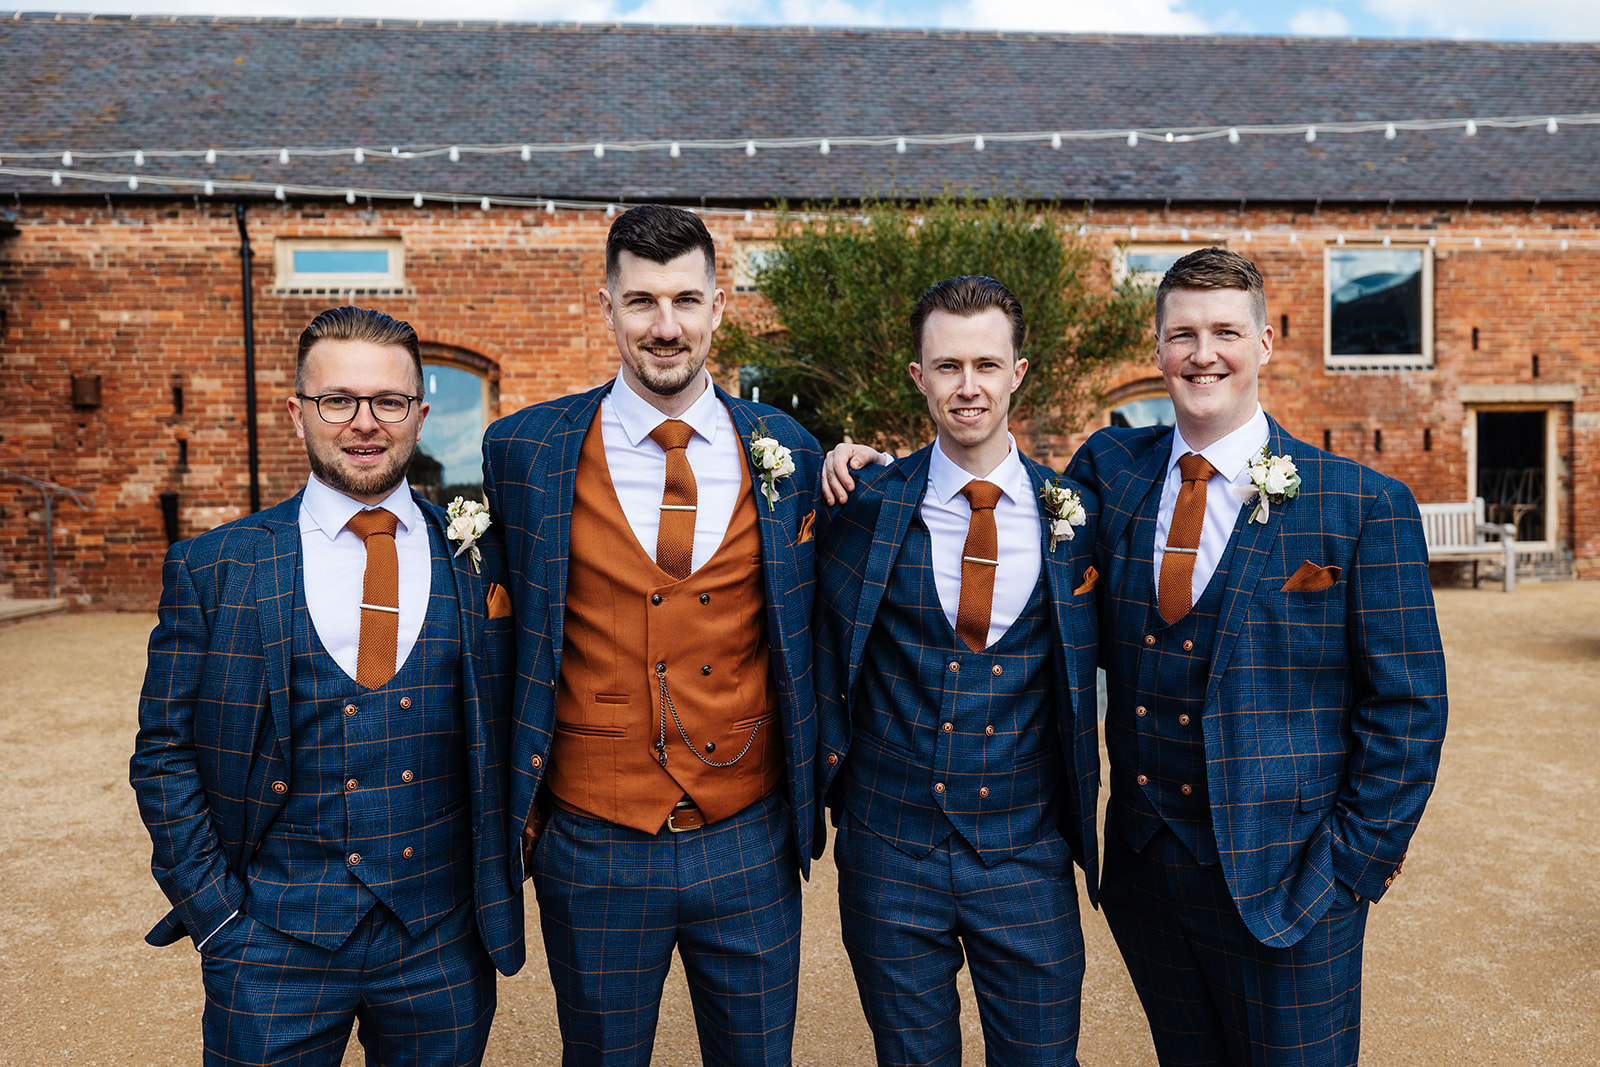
{"x":629,"y":627}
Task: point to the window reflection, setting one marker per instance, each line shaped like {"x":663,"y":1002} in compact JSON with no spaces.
{"x":1151,"y":411}
{"x":1375,"y":301}
{"x":449,"y":460}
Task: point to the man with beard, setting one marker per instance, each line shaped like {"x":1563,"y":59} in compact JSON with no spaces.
{"x":319,"y":760}
{"x":658,"y":537}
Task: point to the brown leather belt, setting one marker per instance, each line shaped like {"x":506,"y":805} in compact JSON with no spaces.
{"x":685,"y":816}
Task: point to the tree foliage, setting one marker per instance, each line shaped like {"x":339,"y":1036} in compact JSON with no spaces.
{"x":840,"y":288}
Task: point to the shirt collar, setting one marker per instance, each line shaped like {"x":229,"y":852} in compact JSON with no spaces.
{"x":1230,"y":455}
{"x":639,"y":417}
{"x":328,"y":510}
{"x":946,"y":478}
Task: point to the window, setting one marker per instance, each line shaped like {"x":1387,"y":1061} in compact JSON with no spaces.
{"x":1379,"y":307}
{"x":449,"y":459}
{"x":1150,"y":411}
{"x":1512,"y":461}
{"x":1146,"y":263}
{"x":748,"y":258}
{"x":330,"y":266}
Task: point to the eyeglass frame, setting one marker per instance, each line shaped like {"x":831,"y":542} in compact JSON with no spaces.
{"x":317,"y":402}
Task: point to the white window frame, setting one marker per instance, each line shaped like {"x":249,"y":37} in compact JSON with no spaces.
{"x":1421,"y":360}
{"x":1119,"y":262}
{"x":1552,"y":458}
{"x":744,"y":275}
{"x":291,"y":281}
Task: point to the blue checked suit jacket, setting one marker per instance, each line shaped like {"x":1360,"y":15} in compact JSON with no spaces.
{"x":1324,"y":710}
{"x":530,"y":469}
{"x":214,"y":723}
{"x":858,"y":547}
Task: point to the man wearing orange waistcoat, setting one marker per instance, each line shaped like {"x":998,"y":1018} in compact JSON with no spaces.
{"x":658,"y":535}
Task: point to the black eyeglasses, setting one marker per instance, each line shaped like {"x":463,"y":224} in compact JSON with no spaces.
{"x":340,"y":408}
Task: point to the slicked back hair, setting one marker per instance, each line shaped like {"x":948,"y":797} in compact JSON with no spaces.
{"x":1214,"y":268}
{"x":350,"y":323}
{"x":659,"y":234}
{"x":968,"y":295}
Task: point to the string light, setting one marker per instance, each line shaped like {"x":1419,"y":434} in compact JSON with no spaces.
{"x":416,"y":201}
{"x":900,"y":145}
{"x":1133,"y":138}
{"x":138,"y":159}
{"x":599,"y":151}
{"x":455,"y":154}
{"x":1389,"y":132}
{"x":210,"y":190}
{"x":1311,"y":134}
{"x":359,"y":155}
{"x":674,"y":151}
{"x":1233,"y":135}
{"x":283,"y":155}
{"x":1472,"y":128}
{"x":1055,"y":140}
{"x":824,"y":147}
{"x":211,"y":155}
{"x":977,"y":143}
{"x":527,"y":153}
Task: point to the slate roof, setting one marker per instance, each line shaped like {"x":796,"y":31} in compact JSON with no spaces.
{"x":96,"y":82}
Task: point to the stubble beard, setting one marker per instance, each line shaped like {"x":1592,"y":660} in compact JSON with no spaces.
{"x":379,"y":482}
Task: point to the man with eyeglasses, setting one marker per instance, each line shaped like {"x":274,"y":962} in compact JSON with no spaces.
{"x":320,"y":756}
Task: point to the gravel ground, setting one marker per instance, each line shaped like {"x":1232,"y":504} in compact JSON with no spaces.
{"x":1487,"y":951}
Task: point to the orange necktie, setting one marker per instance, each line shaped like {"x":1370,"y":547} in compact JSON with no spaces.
{"x":1175,"y":593}
{"x":380,"y":597}
{"x":979,"y":558}
{"x":675,"y":536}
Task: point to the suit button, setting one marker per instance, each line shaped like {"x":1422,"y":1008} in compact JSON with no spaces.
{"x":537,"y":762}
{"x":406,"y":776}
{"x":1186,"y":789}
{"x":706,"y":669}
{"x":1183,"y":720}
{"x":355,"y":858}
{"x":947,"y":727}
{"x":833,"y":759}
{"x":705,"y":598}
{"x":408,"y":852}
{"x":1149,"y":639}
{"x":1141,"y":711}
{"x":938,"y":787}
{"x":983,"y":792}
{"x":655,"y":598}
{"x":280,"y":788}
{"x":996,"y":669}
{"x":350,"y":786}
{"x":988,"y":731}
{"x":954,"y":667}
{"x":661,"y":667}
{"x":711,"y":746}
{"x":349,"y":709}
{"x":405,"y":702}
{"x":1142,"y":780}
{"x":1389,"y":881}
{"x":1188,"y":646}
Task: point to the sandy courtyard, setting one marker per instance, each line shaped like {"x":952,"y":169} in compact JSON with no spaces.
{"x":1487,"y":950}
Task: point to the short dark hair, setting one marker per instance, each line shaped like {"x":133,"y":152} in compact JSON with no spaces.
{"x":1214,"y":268}
{"x":968,"y":295}
{"x":350,"y":323}
{"x":660,"y":234}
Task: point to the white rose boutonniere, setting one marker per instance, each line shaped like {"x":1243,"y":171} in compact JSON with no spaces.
{"x":1063,"y":509}
{"x":1273,"y":480}
{"x":772,"y":460}
{"x":468,"y":522}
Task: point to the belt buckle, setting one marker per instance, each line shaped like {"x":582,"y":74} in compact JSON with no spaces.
{"x":675,"y":828}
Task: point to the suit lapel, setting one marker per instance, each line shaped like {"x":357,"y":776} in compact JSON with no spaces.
{"x":1125,"y":493}
{"x":570,"y":431}
{"x":774,"y":524}
{"x":902,"y":490}
{"x":1057,"y":571}
{"x":1249,"y":556}
{"x":277,"y":560}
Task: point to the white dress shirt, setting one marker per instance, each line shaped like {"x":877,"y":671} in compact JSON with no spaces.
{"x":638,"y":466}
{"x":335,"y":560}
{"x":947,"y":515}
{"x":1225,"y":494}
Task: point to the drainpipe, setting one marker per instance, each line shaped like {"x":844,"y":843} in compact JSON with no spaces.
{"x":249,"y":360}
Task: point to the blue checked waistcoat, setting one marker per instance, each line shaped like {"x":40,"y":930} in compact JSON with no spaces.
{"x":403,"y":834}
{"x":1324,"y":711}
{"x":229,"y":769}
{"x":530,"y":469}
{"x":933,"y":750}
{"x":857,"y":565}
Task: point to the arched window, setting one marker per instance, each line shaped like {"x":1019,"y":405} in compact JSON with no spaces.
{"x":1141,"y":404}
{"x":462,"y":390}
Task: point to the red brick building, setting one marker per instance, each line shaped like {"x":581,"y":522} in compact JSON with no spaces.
{"x":1432,"y":290}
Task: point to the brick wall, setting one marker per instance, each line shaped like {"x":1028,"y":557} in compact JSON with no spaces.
{"x":147,"y":297}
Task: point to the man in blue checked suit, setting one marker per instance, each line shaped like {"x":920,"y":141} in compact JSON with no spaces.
{"x":1276,"y":696}
{"x":659,"y":537}
{"x":320,"y":759}
{"x":956,"y":705}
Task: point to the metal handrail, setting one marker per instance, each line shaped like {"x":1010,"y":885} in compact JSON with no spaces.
{"x":50,"y":490}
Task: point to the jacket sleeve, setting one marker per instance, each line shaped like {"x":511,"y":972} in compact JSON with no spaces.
{"x":1397,"y":719}
{"x":188,"y":858}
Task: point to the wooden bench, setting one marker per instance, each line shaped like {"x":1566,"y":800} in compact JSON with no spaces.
{"x":1458,"y":532}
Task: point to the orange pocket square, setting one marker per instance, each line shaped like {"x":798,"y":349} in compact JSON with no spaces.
{"x":498,"y":601}
{"x":1310,"y":578}
{"x":1090,"y":576}
{"x":806,"y":525}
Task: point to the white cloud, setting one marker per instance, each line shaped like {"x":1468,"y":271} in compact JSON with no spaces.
{"x":1554,"y":20}
{"x":1319,"y":22}
{"x":1074,"y":16}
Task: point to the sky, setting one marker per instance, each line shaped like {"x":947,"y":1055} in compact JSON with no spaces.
{"x":1528,"y":20}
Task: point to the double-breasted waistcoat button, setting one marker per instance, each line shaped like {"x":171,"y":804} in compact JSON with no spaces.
{"x":954,"y":666}
{"x":706,"y":669}
{"x":988,"y":731}
{"x":351,"y":785}
{"x":406,"y":776}
{"x":705,"y":598}
{"x":407,"y":852}
{"x":1141,"y":711}
{"x":1143,"y":780}
{"x":938,"y":787}
{"x":655,"y":598}
{"x":1188,"y":646}
{"x":1186,"y":789}
{"x":1149,"y":639}
{"x":537,"y":762}
{"x":405,"y":702}
{"x":948,"y":727}
{"x":833,"y":759}
{"x":1183,"y":720}
{"x":350,"y":709}
{"x":996,"y":670}
{"x":355,"y":858}
{"x":983,"y":791}
{"x":280,"y":787}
